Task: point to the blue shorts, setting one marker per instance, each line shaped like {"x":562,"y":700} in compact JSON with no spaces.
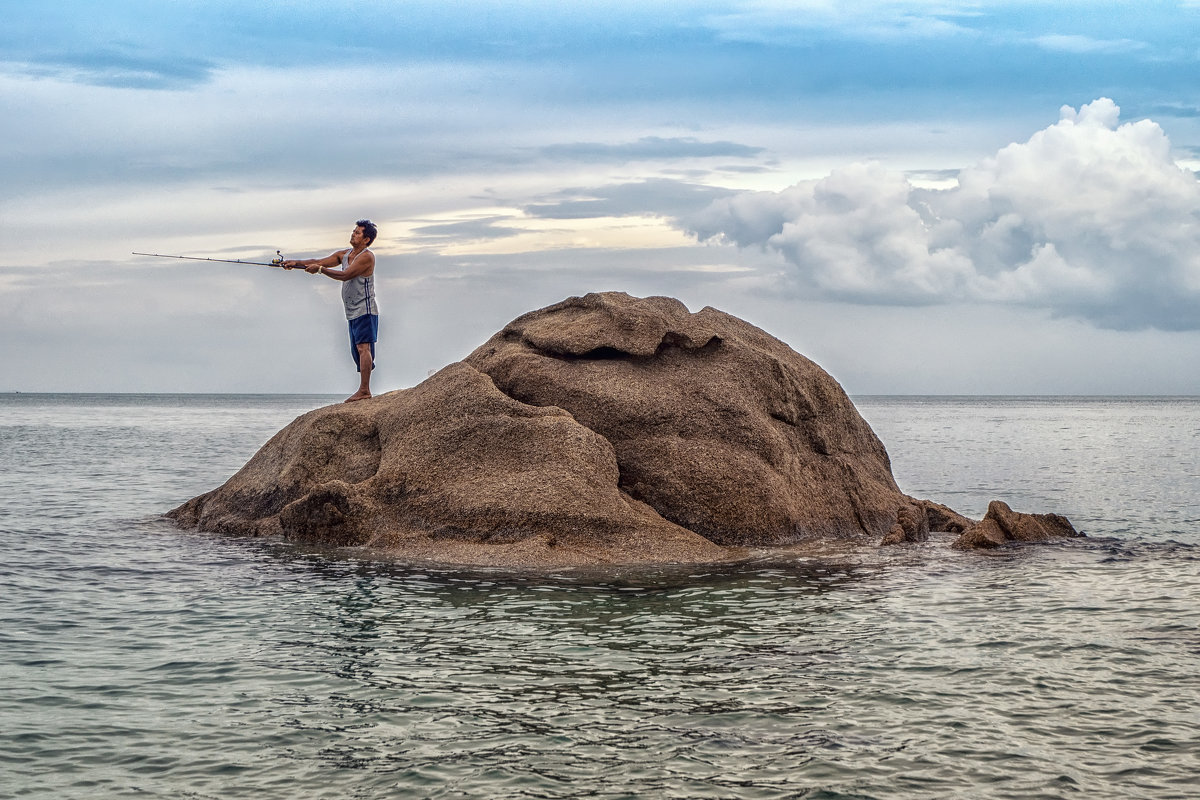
{"x":363,"y":329}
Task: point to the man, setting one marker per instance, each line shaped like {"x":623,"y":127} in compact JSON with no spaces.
{"x":355,"y":268}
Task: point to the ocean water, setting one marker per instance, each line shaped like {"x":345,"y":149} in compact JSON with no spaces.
{"x":137,"y":660}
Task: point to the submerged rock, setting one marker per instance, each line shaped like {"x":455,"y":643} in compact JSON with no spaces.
{"x":602,"y":429}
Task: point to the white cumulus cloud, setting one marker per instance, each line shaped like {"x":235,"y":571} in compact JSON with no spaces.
{"x":1089,"y":218}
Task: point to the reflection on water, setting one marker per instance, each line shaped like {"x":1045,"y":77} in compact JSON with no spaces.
{"x":568,"y":684}
{"x":139,"y":660}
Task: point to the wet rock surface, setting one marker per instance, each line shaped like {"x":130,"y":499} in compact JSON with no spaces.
{"x":1002,"y":526}
{"x":603,"y":429}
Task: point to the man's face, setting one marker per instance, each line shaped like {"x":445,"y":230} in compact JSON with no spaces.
{"x":357,"y":238}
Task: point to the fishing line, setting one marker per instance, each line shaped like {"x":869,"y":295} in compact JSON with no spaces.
{"x":277,"y":261}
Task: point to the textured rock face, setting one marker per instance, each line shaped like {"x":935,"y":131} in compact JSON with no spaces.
{"x":451,"y":470}
{"x":1002,"y":526}
{"x":603,"y":429}
{"x":719,"y":427}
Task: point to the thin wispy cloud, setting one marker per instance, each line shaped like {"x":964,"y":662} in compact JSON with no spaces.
{"x":1075,"y":43}
{"x":1178,"y":110}
{"x":652,"y":197}
{"x":469,"y":230}
{"x":117,"y":69}
{"x":649,"y":148}
{"x":775,"y":22}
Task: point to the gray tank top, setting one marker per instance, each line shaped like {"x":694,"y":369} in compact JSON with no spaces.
{"x":358,"y":294}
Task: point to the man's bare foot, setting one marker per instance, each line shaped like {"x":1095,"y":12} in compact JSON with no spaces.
{"x":359,"y":395}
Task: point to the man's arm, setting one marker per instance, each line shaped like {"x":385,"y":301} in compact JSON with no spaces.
{"x":362,"y":264}
{"x":331,"y":260}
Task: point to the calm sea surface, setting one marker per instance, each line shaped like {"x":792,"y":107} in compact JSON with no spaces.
{"x":137,"y":660}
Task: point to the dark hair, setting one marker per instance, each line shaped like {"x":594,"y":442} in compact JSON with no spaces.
{"x":369,"y":229}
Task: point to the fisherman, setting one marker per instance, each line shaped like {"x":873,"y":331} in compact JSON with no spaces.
{"x":355,"y":268}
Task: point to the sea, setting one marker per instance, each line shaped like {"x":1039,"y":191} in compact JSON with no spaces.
{"x":142,"y":661}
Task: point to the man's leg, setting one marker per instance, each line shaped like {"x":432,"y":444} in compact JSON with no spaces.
{"x":365,"y":364}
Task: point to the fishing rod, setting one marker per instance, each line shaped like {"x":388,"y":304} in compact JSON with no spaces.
{"x":277,"y":261}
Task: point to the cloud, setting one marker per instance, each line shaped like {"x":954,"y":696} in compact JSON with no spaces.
{"x":650,"y":197}
{"x":789,"y":22}
{"x":480,"y":228}
{"x":1082,"y":45}
{"x":1174,"y":110}
{"x":649,"y":147}
{"x":1088,"y":218}
{"x":119,"y":70}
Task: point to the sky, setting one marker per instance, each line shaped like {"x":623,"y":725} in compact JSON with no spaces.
{"x":924,"y":197}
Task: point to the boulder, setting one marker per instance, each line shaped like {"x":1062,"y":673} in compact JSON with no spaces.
{"x":451,"y":471}
{"x":1002,"y":526}
{"x":603,"y":429}
{"x":719,"y":427}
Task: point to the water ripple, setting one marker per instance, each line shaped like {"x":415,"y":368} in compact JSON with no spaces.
{"x":138,"y":660}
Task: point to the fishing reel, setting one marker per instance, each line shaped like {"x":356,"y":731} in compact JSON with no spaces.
{"x":277,"y":261}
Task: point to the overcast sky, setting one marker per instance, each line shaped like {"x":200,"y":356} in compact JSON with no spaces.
{"x":924,"y":197}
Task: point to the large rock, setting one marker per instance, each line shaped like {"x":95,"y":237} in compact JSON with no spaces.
{"x":719,"y":427}
{"x":603,"y":429}
{"x":451,"y":470}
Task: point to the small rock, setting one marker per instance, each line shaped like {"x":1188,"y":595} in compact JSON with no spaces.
{"x":1001,"y":525}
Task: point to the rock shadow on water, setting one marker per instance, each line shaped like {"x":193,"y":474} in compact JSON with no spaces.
{"x":603,"y":431}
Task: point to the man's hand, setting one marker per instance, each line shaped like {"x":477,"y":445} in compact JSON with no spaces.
{"x":290,"y":264}
{"x":313,"y":269}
